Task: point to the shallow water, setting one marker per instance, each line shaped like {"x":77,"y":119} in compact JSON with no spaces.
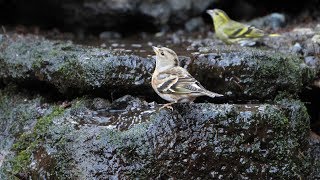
{"x":141,"y":44}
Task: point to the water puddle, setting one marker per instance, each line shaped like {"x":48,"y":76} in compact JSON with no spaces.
{"x":141,"y":44}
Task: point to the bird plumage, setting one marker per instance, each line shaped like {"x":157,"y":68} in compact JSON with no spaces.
{"x":174,"y":83}
{"x":230,"y":31}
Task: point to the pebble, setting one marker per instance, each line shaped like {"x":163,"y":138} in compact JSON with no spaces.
{"x":305,"y":31}
{"x":136,"y":45}
{"x":311,"y":61}
{"x":316,"y":39}
{"x":115,"y":45}
{"x":296,"y":48}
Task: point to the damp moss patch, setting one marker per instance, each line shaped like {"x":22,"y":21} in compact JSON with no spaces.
{"x":28,"y":142}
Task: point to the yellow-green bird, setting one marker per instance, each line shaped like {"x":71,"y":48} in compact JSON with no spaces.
{"x":230,"y":31}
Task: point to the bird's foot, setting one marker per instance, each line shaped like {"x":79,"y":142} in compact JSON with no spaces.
{"x":168,"y":105}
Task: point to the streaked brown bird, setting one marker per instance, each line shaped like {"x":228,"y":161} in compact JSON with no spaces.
{"x":174,"y":83}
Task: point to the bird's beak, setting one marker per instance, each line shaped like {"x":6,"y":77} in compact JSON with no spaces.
{"x":210,"y":11}
{"x":155,"y":49}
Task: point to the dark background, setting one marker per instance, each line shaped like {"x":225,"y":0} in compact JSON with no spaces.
{"x":130,"y":16}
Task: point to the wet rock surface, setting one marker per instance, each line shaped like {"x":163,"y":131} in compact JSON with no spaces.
{"x":131,"y":138}
{"x":252,"y":74}
{"x":238,"y":72}
{"x":88,"y":111}
{"x":71,"y":68}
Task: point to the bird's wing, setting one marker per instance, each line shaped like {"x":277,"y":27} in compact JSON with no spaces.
{"x":235,"y":30}
{"x":178,"y":80}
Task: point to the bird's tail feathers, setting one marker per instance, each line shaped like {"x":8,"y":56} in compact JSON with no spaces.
{"x":212,"y":94}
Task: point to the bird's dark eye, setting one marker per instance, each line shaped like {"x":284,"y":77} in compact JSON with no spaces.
{"x":162,"y":53}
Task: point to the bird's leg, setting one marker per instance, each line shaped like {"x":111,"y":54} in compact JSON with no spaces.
{"x":168,"y":105}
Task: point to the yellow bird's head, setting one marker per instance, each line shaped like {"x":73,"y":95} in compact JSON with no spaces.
{"x":219,"y":17}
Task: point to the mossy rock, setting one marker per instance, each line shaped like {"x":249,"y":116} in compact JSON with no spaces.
{"x":69,"y":68}
{"x":252,"y":74}
{"x":238,"y":73}
{"x":131,"y":138}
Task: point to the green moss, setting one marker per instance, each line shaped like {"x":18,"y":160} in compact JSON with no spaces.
{"x":38,"y":62}
{"x":44,"y":122}
{"x":24,"y":142}
{"x":27,"y":142}
{"x":21,"y":161}
{"x":80,"y":103}
{"x":294,"y":141}
{"x":252,"y":74}
{"x":282,"y":70}
{"x":71,"y":71}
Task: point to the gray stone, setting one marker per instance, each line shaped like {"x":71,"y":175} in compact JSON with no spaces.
{"x":111,"y":14}
{"x":134,"y":139}
{"x":238,"y":72}
{"x":296,"y":48}
{"x":312,"y":61}
{"x":194,"y":24}
{"x":71,"y":68}
{"x":316,"y":39}
{"x":273,"y":21}
{"x":250,"y":72}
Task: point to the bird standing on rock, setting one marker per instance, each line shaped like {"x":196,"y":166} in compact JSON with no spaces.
{"x":230,"y":31}
{"x":174,"y":83}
